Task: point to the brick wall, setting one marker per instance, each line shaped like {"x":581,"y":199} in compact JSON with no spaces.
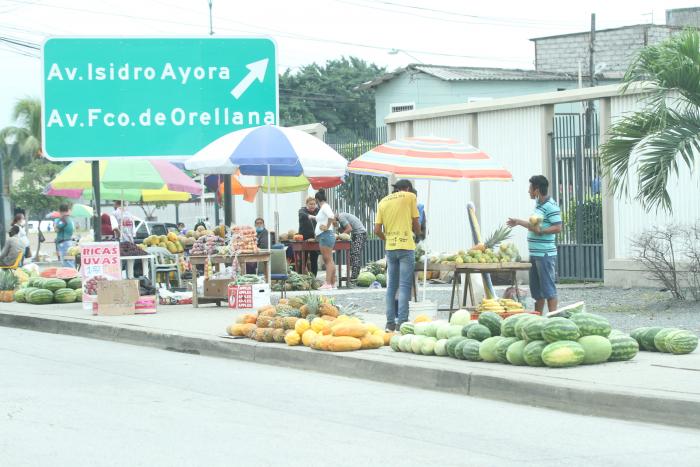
{"x":616,"y":48}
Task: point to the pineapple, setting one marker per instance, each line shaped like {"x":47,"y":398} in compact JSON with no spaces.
{"x":290,"y":322}
{"x":328,"y":309}
{"x":296,"y":302}
{"x":259,"y":334}
{"x":8,"y":281}
{"x":278,"y":335}
{"x":312,"y":305}
{"x":499,"y":235}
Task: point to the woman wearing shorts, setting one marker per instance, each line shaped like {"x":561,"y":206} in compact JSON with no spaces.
{"x":325,"y":237}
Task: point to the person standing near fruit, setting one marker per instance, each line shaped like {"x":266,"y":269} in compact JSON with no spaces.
{"x":64,"y":233}
{"x":307,"y":227}
{"x":396,"y":222}
{"x":350,"y":224}
{"x":325,"y":236}
{"x":542,"y":228}
{"x":125,"y":221}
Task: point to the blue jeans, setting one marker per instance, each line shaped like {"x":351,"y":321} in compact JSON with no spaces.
{"x":400,"y":266}
{"x":62,"y":250}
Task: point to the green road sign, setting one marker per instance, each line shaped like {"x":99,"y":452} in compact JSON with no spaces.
{"x":153,"y":97}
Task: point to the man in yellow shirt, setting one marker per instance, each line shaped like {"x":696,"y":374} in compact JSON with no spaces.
{"x":396,"y":222}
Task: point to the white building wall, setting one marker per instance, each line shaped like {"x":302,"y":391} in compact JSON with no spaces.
{"x":514,"y":139}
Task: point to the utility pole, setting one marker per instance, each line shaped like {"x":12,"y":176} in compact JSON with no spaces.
{"x":211,"y":25}
{"x":591,"y":45}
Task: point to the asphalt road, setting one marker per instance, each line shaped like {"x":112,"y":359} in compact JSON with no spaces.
{"x":70,"y":401}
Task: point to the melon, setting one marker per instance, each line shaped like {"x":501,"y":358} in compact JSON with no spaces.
{"x":459,"y":355}
{"x":659,"y":338}
{"x":520,"y":325}
{"x":454,"y":331}
{"x":407,"y":328}
{"x":647,"y":338}
{"x":460,"y":317}
{"x":66,"y":273}
{"x":75,"y":283}
{"x":421,"y":329}
{"x":394,"y":342}
{"x":452,"y":344}
{"x":478,"y":332}
{"x":502,"y":348}
{"x":636,"y":334}
{"x":515,"y":353}
{"x":681,"y":342}
{"x":487,"y":349}
{"x":492,"y":321}
{"x":590,"y":324}
{"x":440,"y":348}
{"x":467,"y":327}
{"x":416,"y":343}
{"x":532,"y":353}
{"x":508,"y":325}
{"x":54,"y":284}
{"x":623,"y":348}
{"x":48,"y":273}
{"x":405,"y":342}
{"x":596,"y":348}
{"x":560,"y":329}
{"x":470,"y":350}
{"x":428,"y":346}
{"x":563,"y":353}
{"x":442,"y":331}
{"x":40,"y":297}
{"x":65,"y":295}
{"x":78,"y":295}
{"x":533,"y":330}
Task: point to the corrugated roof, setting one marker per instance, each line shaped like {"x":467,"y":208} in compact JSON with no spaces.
{"x":455,"y":73}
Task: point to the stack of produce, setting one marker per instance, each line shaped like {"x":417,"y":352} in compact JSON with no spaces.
{"x":207,"y":245}
{"x":296,"y":281}
{"x":170,"y":242}
{"x":503,"y":305}
{"x":521,"y":339}
{"x":669,"y":340}
{"x":41,"y":291}
{"x":290,"y":236}
{"x":131,"y":249}
{"x":244,"y":239}
{"x":8,"y":283}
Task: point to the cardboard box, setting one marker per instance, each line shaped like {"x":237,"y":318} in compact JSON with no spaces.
{"x":146,"y":305}
{"x":248,"y":296}
{"x":216,"y":288}
{"x":115,"y":298}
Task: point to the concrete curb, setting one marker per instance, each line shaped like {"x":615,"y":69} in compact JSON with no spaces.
{"x":568,"y":396}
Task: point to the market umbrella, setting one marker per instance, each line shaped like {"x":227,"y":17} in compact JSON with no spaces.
{"x":429,"y":158}
{"x":132,"y":194}
{"x":271,"y":151}
{"x":81,"y":210}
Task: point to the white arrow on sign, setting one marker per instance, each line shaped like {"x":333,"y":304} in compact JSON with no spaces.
{"x":257,"y":71}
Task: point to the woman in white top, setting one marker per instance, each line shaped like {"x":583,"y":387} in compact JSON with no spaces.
{"x":325,"y":237}
{"x":21,"y":223}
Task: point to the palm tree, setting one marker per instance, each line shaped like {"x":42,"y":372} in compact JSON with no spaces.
{"x":22,"y":143}
{"x":659,"y":140}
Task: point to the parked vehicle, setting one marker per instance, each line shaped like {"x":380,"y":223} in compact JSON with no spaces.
{"x":147,"y":228}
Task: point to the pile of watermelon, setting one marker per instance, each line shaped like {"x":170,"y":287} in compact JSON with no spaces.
{"x":670,"y":340}
{"x":521,"y":339}
{"x":43,"y":290}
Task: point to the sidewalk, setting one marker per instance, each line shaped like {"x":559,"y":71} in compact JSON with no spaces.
{"x":653,"y":387}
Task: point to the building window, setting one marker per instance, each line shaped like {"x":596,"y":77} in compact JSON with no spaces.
{"x":403,"y":107}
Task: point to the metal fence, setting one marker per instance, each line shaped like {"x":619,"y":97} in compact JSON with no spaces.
{"x":360,"y":194}
{"x":576,"y":186}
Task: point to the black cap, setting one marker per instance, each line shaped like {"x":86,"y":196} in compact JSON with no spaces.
{"x":403,"y":185}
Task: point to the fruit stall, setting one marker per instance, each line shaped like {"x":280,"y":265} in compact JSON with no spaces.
{"x":342,"y":245}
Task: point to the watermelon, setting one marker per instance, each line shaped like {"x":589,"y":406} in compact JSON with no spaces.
{"x":569,"y":310}
{"x":431,"y":329}
{"x":478,"y":332}
{"x":54,"y":284}
{"x":614,"y":332}
{"x":440,"y":348}
{"x":470,"y":350}
{"x":442,"y":331}
{"x":75,"y":283}
{"x":487,"y":349}
{"x":459,"y":349}
{"x":33,"y":281}
{"x":365,"y":279}
{"x":78,"y":295}
{"x":421,"y":329}
{"x":452,"y":344}
{"x":623,"y":348}
{"x":455,"y":330}
{"x":563,"y":353}
{"x":533,"y":330}
{"x":416,"y":344}
{"x":591,"y":325}
{"x":381,"y":278}
{"x":405,"y":342}
{"x":49,"y":273}
{"x":560,"y":329}
{"x":21,"y":295}
{"x":428,"y":346}
{"x":659,"y":338}
{"x":637,"y":334}
{"x":646,"y":339}
{"x":515,"y":353}
{"x":597,"y":349}
{"x":532,"y":353}
{"x":681,"y":342}
{"x":39,"y":297}
{"x":492,"y":321}
{"x":66,"y":273}
{"x":460,"y":317}
{"x":502,"y":348}
{"x":394,"y":342}
{"x":467,"y":327}
{"x":64,"y":295}
{"x":407,"y":328}
{"x":522,"y":323}
{"x":508,"y":324}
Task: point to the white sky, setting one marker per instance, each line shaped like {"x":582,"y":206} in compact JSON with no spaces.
{"x":493,"y":33}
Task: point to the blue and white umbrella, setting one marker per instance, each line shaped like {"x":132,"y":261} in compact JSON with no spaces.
{"x":269,"y":150}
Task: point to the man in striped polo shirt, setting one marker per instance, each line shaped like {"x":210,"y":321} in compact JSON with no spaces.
{"x":541,"y":243}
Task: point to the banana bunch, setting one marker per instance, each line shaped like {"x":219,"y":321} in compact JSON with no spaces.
{"x":491,"y":304}
{"x":511,"y":305}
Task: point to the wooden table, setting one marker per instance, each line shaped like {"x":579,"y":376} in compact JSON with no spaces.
{"x":220,"y":286}
{"x":300,"y":248}
{"x":467,"y":269}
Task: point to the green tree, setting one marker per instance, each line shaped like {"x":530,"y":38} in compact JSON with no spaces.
{"x":660,"y":139}
{"x":21,"y":144}
{"x":328,"y":94}
{"x":28,"y":192}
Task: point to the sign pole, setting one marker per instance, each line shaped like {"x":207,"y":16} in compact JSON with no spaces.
{"x":228,"y":209}
{"x":97,"y":222}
